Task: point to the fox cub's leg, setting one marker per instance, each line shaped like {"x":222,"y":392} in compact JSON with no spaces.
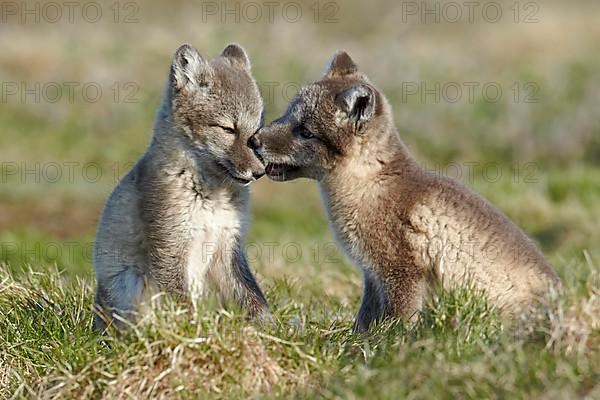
{"x":406,"y":291}
{"x":399,"y":296}
{"x":235,"y":282}
{"x":373,"y":306}
{"x":119,"y":294}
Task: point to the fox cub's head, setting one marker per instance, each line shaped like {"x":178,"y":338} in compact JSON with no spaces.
{"x":216,"y":107}
{"x":327,"y":122}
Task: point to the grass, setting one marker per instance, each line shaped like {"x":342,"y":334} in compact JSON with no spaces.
{"x":458,"y":347}
{"x":548,"y":152}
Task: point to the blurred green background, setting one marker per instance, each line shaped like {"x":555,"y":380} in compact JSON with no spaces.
{"x":541,"y":133}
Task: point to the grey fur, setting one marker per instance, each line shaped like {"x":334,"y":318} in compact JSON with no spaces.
{"x":408,"y":229}
{"x":177,"y":221}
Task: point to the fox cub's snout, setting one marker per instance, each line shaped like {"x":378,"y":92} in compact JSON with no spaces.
{"x":216,"y":123}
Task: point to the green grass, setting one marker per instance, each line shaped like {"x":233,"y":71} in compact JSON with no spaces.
{"x":457,"y":347}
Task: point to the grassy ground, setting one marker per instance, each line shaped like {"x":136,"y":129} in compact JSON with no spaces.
{"x":548,"y":153}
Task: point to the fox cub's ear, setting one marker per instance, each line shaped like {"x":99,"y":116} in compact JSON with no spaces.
{"x":237,"y":56}
{"x":358,"y":103}
{"x":340,"y":64}
{"x":189,"y":69}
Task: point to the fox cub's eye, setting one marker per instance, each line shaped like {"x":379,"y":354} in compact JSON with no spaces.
{"x":304,"y":132}
{"x":224,"y":128}
{"x":228,"y":129}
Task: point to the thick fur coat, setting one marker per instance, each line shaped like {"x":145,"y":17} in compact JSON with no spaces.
{"x":409,"y":230}
{"x":177,"y":221}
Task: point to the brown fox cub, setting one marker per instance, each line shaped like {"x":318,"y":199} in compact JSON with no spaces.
{"x":406,"y":228}
{"x":177,"y":221}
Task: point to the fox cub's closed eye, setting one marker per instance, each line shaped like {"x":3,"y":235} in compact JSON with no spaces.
{"x":228,"y":129}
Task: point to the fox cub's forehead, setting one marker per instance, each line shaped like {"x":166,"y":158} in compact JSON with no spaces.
{"x":235,"y":91}
{"x":316,"y":99}
{"x":305,"y":103}
{"x":234,"y":83}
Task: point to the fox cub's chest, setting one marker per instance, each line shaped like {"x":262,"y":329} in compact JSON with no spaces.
{"x":214,"y":225}
{"x":347,"y":228}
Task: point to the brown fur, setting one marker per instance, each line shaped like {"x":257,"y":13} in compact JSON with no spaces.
{"x":407,"y":229}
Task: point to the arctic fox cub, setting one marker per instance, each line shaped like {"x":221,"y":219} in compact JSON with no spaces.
{"x":177,"y":221}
